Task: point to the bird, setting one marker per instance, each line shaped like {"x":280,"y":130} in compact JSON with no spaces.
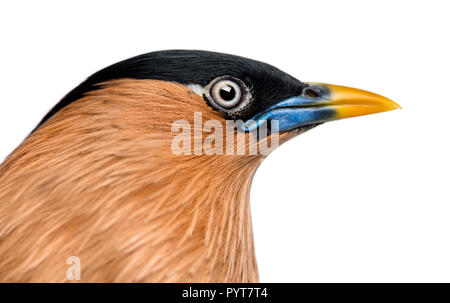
{"x":103,"y":178}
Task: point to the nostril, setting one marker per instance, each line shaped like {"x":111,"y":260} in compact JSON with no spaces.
{"x":310,"y":92}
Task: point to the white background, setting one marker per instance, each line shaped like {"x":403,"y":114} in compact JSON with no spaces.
{"x":363,"y":199}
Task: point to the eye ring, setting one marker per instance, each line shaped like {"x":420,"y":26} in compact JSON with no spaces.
{"x":227,"y":93}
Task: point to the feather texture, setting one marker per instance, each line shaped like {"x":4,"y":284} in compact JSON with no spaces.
{"x":99,"y":181}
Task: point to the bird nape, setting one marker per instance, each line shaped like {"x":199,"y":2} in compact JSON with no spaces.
{"x":123,"y":175}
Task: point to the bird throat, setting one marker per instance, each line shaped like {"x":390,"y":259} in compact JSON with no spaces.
{"x":98,"y":182}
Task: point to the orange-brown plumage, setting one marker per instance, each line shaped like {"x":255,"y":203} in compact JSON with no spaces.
{"x":100,"y":182}
{"x":98,"y":179}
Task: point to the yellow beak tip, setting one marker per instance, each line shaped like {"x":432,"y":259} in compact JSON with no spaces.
{"x":392,"y":105}
{"x":398,"y":106}
{"x":352,"y":102}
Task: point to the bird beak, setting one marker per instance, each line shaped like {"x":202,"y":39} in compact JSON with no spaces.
{"x":321,"y":103}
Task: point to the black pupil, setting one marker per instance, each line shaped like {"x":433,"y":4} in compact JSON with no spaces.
{"x":227,"y":93}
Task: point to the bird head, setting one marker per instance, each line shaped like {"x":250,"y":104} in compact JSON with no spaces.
{"x":99,"y":177}
{"x":223,"y":88}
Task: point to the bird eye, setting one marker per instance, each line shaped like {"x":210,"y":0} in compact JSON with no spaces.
{"x":226,"y":93}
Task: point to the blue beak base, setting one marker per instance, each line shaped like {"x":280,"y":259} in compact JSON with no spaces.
{"x":291,"y":113}
{"x":320,"y":103}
